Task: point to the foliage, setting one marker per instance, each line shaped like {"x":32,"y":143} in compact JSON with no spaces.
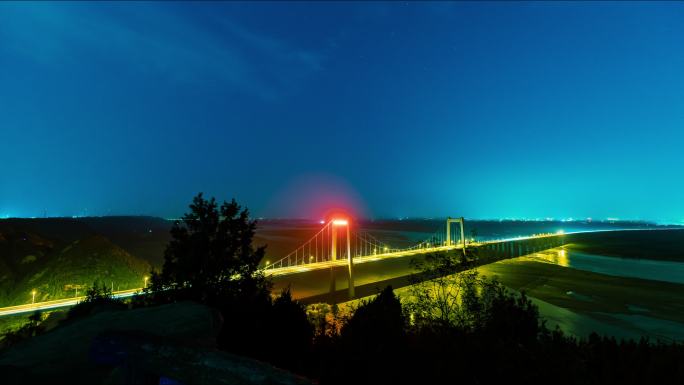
{"x":466,"y":326}
{"x":98,"y":297}
{"x":493,"y":336}
{"x":276,"y":331}
{"x":365,"y":350}
{"x":30,"y":329}
{"x":376,"y":325}
{"x":289,"y":327}
{"x":211,"y":260}
{"x":438,"y":291}
{"x":210,"y":257}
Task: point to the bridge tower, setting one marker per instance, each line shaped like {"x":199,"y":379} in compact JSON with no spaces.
{"x":460,"y":221}
{"x":336,"y":223}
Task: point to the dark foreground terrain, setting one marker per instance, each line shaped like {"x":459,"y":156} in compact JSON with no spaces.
{"x":175,"y":341}
{"x":194,"y":326}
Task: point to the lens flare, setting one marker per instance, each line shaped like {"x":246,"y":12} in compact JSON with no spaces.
{"x":317,"y":197}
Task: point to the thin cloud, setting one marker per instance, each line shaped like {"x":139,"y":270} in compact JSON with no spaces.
{"x":170,"y":45}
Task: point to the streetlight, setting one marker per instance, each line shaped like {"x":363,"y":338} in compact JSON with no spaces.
{"x":34,"y":296}
{"x":146,"y":277}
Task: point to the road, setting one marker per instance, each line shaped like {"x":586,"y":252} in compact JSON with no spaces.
{"x":47,"y":305}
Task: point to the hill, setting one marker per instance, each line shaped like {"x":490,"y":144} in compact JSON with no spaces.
{"x":56,"y":257}
{"x":141,"y":236}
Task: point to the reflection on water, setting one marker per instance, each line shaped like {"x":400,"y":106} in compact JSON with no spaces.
{"x":555,"y":256}
{"x":622,"y":267}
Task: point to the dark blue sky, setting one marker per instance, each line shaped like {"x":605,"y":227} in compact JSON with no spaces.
{"x":398,"y":109}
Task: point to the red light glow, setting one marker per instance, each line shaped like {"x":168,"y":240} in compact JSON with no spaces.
{"x":317,"y":196}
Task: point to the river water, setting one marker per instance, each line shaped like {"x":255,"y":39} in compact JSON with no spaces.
{"x":638,"y":321}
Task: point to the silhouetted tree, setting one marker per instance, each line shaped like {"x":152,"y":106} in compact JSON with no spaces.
{"x":370,"y":344}
{"x":442,"y":296}
{"x":98,"y":296}
{"x":289,"y":328}
{"x":210,"y":257}
{"x":436,"y":289}
{"x":376,"y":325}
{"x":508,"y":316}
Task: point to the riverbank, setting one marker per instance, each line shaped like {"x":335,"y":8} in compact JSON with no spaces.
{"x":636,"y":307}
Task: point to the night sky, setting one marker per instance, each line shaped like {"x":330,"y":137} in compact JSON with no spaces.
{"x":485,"y":110}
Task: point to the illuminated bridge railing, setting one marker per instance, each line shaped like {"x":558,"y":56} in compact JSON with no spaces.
{"x":330,"y":244}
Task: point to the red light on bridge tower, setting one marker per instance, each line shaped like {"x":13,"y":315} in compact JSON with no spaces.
{"x":336,"y":223}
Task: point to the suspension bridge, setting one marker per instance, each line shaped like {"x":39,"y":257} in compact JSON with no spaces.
{"x":335,"y":244}
{"x":340,"y":245}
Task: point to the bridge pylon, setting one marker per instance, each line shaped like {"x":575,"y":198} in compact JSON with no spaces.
{"x":336,"y":223}
{"x":460,"y":221}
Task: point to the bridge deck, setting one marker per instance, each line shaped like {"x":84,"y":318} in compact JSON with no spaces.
{"x":280,"y":271}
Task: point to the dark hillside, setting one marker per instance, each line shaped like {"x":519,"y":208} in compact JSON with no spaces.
{"x":144,"y":237}
{"x":57,"y":256}
{"x":78,"y":265}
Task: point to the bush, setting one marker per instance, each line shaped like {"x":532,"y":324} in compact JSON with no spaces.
{"x":98,"y":298}
{"x":370,"y":346}
{"x":277,"y":331}
{"x":33,"y":327}
{"x":290,"y":328}
{"x":377,"y":326}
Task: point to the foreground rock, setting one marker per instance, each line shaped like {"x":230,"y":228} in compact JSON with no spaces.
{"x":166,"y":344}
